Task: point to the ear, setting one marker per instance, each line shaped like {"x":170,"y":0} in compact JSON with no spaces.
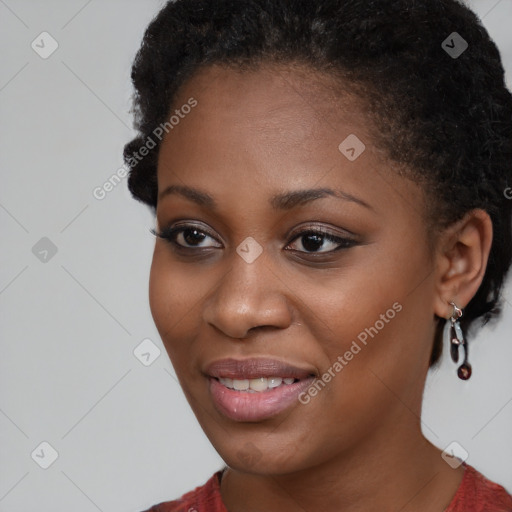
{"x":461,"y":260}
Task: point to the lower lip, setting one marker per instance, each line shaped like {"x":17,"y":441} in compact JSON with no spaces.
{"x":244,"y":406}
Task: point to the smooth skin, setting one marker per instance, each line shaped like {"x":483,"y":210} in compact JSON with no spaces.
{"x":357,"y":445}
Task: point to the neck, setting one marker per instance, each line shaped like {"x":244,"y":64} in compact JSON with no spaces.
{"x":397,"y":469}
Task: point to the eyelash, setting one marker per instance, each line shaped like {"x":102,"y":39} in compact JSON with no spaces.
{"x":170,"y":234}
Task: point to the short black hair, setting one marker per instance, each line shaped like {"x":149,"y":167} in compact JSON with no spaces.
{"x":446,"y":117}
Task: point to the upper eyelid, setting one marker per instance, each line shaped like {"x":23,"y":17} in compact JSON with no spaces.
{"x":315,"y":226}
{"x":182,"y":227}
{"x":173,"y":230}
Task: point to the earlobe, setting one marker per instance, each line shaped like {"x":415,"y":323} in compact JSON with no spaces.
{"x":461,"y":260}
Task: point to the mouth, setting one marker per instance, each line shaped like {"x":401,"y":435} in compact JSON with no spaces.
{"x":257,"y":385}
{"x":253,"y":390}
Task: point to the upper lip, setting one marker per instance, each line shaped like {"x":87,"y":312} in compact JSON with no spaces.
{"x":255,"y":367}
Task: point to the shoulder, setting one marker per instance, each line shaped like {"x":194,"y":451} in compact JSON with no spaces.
{"x":476,"y":493}
{"x":206,"y":498}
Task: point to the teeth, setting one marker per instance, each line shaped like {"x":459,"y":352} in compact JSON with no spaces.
{"x":259,"y":384}
{"x":241,"y":385}
{"x":227,"y":382}
{"x":273,"y":382}
{"x":256,"y":385}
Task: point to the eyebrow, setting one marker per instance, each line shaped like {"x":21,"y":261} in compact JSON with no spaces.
{"x":285,"y":201}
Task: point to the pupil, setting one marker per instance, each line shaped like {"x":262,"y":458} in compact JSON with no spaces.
{"x":193,"y":236}
{"x":312,"y":242}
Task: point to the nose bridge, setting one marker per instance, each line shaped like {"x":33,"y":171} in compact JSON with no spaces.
{"x":248,"y":295}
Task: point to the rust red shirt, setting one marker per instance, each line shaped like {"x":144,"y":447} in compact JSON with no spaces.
{"x":474,"y":494}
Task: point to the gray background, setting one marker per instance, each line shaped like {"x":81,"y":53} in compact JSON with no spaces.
{"x":70,"y":322}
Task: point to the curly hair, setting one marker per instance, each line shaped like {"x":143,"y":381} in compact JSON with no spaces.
{"x":446,"y":119}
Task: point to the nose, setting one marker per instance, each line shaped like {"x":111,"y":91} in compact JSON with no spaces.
{"x":247,"y":297}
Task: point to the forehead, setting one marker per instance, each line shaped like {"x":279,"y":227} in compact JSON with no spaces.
{"x":263,"y":114}
{"x":272,"y":91}
{"x":271,"y":128}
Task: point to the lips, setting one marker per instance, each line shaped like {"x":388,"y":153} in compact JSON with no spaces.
{"x":256,"y":389}
{"x":255,"y":368}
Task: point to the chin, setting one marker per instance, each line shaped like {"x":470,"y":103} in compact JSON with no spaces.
{"x":260,"y":451}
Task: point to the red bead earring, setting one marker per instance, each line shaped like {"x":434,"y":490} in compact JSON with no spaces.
{"x":456,"y":340}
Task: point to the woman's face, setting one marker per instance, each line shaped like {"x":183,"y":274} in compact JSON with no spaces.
{"x":295,"y":258}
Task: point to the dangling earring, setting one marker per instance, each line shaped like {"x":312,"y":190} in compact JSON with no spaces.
{"x":457,"y":339}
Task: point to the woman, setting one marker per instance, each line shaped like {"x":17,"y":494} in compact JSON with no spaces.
{"x":329,"y":182}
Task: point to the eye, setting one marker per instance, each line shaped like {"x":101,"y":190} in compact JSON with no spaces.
{"x":310,"y":241}
{"x":319,"y":240}
{"x":188,"y":236}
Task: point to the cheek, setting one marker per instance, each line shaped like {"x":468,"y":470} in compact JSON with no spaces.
{"x":161,"y":302}
{"x":356,"y":337}
{"x":343,"y":308}
{"x":376,"y":318}
{"x":375,"y":362}
{"x":171,"y":299}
